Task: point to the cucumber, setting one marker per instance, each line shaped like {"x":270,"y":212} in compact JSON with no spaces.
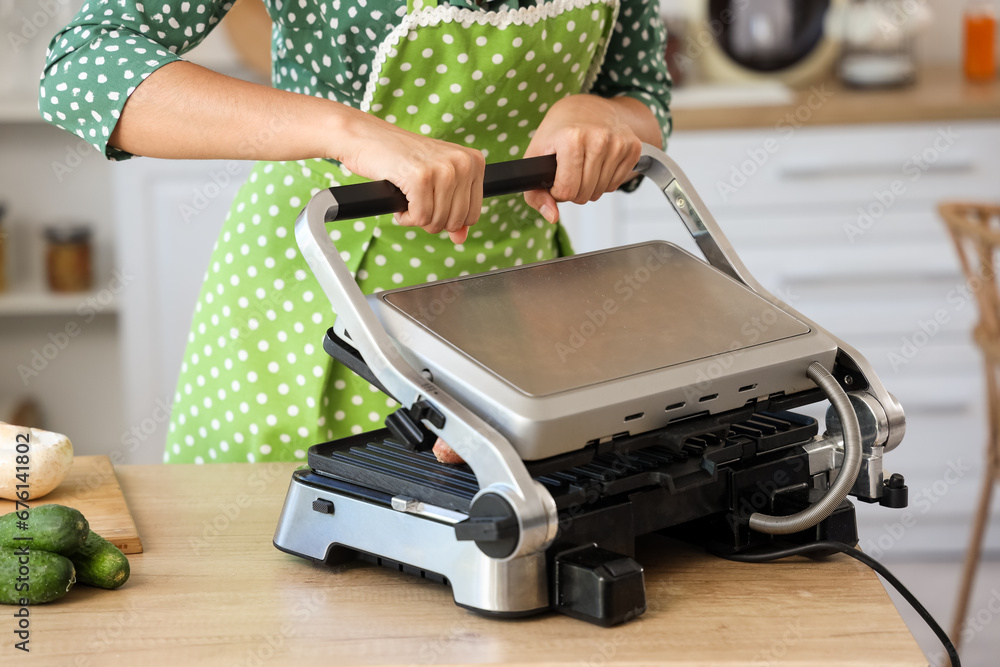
{"x":43,"y":578}
{"x":54,"y":528}
{"x":100,"y":563}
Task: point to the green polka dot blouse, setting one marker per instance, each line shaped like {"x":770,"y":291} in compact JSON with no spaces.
{"x":320,"y":47}
{"x":255,"y":384}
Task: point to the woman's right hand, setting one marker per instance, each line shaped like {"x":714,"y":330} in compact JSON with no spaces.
{"x":443,"y":182}
{"x":185,"y":111}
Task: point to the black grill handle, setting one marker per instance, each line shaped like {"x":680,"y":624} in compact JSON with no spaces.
{"x":363,"y":200}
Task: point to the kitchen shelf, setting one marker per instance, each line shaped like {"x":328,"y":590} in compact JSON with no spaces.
{"x":940,"y":94}
{"x":34,"y":300}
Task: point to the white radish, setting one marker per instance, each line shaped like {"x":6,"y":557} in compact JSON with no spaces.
{"x":49,"y":457}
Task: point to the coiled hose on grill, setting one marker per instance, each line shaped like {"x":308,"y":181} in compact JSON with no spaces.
{"x":793,"y":523}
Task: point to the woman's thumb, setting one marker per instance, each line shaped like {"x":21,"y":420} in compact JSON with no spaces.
{"x":544,"y":203}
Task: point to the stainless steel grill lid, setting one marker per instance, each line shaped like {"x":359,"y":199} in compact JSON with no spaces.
{"x":558,"y":326}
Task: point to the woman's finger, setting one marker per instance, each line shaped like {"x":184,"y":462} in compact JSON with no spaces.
{"x":465,"y":176}
{"x":544,"y":203}
{"x":569,"y":167}
{"x":478,"y":171}
{"x":419,"y":191}
{"x":445,"y":187}
{"x":609,"y":162}
{"x":462,"y":196}
{"x":595,"y":154}
{"x":614,"y":157}
{"x":626,"y":166}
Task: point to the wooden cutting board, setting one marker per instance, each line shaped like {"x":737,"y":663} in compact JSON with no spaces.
{"x":92,"y":488}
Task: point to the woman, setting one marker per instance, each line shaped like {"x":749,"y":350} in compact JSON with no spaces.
{"x":418,"y":94}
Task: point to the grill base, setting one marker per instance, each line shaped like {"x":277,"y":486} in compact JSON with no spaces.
{"x":370,"y":498}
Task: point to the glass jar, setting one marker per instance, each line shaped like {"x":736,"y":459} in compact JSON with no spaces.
{"x":68,"y":258}
{"x":980,"y":28}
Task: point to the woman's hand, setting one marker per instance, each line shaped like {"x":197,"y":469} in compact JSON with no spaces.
{"x":445,"y":454}
{"x":185,"y":111}
{"x":597,"y":142}
{"x":443,"y":182}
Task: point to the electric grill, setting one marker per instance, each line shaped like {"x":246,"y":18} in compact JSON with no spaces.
{"x":594,"y":398}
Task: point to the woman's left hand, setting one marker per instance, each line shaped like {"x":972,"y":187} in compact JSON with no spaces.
{"x":595,"y":146}
{"x":597,"y":142}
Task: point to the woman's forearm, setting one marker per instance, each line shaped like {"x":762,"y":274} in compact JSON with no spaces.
{"x":183,"y":110}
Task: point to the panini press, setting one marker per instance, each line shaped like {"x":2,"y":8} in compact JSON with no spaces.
{"x":595,"y":398}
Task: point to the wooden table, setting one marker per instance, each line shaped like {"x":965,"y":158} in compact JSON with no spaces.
{"x":940,"y":93}
{"x":211,"y":589}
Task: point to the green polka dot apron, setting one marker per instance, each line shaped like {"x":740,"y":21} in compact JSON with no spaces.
{"x":255,"y":383}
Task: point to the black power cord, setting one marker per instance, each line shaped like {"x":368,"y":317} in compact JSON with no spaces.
{"x":880,"y":569}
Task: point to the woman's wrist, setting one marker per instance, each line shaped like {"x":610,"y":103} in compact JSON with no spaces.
{"x":341,"y":132}
{"x":621,"y":110}
{"x":639,"y":117}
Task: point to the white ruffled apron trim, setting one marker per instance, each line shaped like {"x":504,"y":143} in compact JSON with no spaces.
{"x":525,"y":16}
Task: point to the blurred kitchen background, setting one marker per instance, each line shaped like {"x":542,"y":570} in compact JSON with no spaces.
{"x":822,"y":135}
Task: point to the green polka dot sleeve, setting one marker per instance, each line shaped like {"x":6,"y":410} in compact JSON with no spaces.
{"x":95,"y":62}
{"x":321,"y":48}
{"x":635,"y":64}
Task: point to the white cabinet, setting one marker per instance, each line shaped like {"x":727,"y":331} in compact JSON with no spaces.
{"x":168,"y":214}
{"x":48,"y":178}
{"x":841,"y":222}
